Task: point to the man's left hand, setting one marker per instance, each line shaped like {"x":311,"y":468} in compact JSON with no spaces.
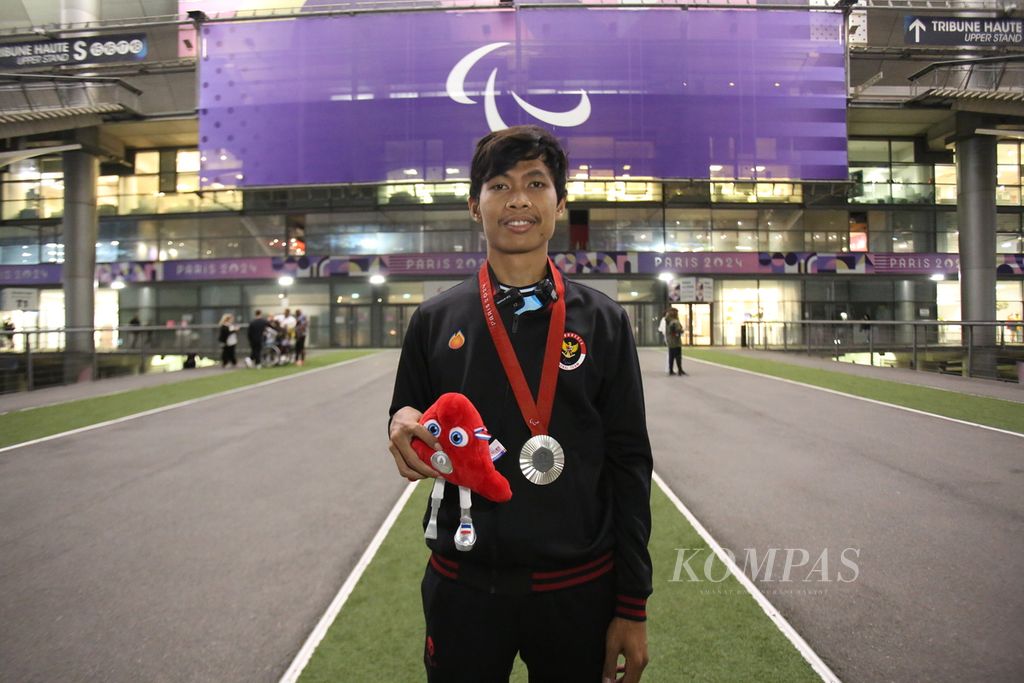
{"x":628,"y":638}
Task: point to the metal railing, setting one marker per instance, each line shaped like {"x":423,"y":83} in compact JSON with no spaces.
{"x":1002,"y":74}
{"x":991,"y":349}
{"x":23,"y":94}
{"x":36,"y":358}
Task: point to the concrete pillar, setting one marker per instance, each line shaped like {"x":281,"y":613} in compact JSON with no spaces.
{"x":79,"y":11}
{"x":976,"y":218}
{"x":906,"y":309}
{"x":81,"y":225}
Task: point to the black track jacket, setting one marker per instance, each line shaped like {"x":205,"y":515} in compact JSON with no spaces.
{"x":601,"y":501}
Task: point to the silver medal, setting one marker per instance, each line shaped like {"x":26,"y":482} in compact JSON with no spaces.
{"x":541,"y":459}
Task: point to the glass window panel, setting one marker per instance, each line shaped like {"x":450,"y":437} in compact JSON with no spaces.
{"x":1008,"y":243}
{"x":833,"y":220}
{"x":688,"y":192}
{"x":916,"y":221}
{"x":1009,"y":291}
{"x":182,"y":297}
{"x":236,"y":247}
{"x":147,"y":162}
{"x":108,"y":186}
{"x":688,"y":219}
{"x":878,"y":220}
{"x":867,"y":289}
{"x":173,"y":229}
{"x":945,"y":174}
{"x":187,"y":161}
{"x":870,"y":174}
{"x":779,"y":192}
{"x":947,"y":242}
{"x":187,"y":182}
{"x":737,"y":193}
{"x":734,"y":219}
{"x":746,"y":241}
{"x":1008,"y":222}
{"x":724,"y":240}
{"x":171,"y":250}
{"x":1008,"y":153}
{"x":1008,"y":175}
{"x":916,"y":174}
{"x":780,"y":219}
{"x":404,"y":293}
{"x":913,"y":194}
{"x":946,"y":221}
{"x":140,"y":184}
{"x":868,"y":150}
{"x":788,"y":240}
{"x":688,"y":240}
{"x":357,"y":292}
{"x":902,"y":151}
{"x":1007,"y":195}
{"x":945,"y":194}
{"x":880,"y":242}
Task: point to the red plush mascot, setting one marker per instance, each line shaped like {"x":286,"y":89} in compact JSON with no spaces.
{"x":466,"y":459}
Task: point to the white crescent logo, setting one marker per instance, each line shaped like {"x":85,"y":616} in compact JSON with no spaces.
{"x":456,"y":88}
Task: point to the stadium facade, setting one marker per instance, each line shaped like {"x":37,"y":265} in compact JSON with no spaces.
{"x":741,"y":160}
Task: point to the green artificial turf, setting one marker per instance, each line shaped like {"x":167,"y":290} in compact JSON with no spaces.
{"x":34,"y":423}
{"x":696,"y":630}
{"x":993,"y":412}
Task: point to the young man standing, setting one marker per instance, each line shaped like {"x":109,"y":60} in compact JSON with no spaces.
{"x":560,"y":574}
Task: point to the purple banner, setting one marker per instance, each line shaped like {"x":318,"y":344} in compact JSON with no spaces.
{"x":570,"y":262}
{"x":790,"y":263}
{"x":632,"y":93}
{"x":221,"y":269}
{"x":39,"y":274}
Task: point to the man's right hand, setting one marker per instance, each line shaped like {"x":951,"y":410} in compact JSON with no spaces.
{"x":404,"y":427}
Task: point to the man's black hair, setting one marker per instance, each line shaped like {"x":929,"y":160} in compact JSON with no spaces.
{"x":498,"y":152}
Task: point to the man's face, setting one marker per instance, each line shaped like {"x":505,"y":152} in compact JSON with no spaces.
{"x":518,"y":209}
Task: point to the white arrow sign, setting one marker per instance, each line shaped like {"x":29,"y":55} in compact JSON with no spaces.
{"x":917,"y":27}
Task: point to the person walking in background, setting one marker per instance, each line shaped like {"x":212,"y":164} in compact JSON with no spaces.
{"x":228,"y":338}
{"x":674,"y":341}
{"x":301,"y":329}
{"x":256,"y":330}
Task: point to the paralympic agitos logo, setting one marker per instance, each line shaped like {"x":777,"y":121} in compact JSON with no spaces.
{"x":456,"y":88}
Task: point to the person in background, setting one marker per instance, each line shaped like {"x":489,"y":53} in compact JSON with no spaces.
{"x":674,"y":341}
{"x":8,"y":333}
{"x":257,"y":328}
{"x":134,"y":322}
{"x":285,"y":323}
{"x":228,"y":338}
{"x":301,"y":329}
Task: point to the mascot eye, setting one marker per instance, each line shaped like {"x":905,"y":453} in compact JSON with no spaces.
{"x":434,"y":427}
{"x":458,"y":436}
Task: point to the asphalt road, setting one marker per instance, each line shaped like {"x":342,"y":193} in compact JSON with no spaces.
{"x":198,"y":544}
{"x":933,"y":509}
{"x":204,"y":543}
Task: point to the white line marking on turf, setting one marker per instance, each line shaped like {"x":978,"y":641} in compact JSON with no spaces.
{"x":154,"y":411}
{"x":801,"y":645}
{"x":869,"y":400}
{"x":313,"y":641}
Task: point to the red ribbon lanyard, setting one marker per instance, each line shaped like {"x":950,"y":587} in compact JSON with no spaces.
{"x":537,"y":414}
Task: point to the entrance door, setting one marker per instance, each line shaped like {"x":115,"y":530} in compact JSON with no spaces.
{"x":696,"y":320}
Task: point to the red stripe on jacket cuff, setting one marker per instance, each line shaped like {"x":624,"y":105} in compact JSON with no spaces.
{"x":631,"y":601}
